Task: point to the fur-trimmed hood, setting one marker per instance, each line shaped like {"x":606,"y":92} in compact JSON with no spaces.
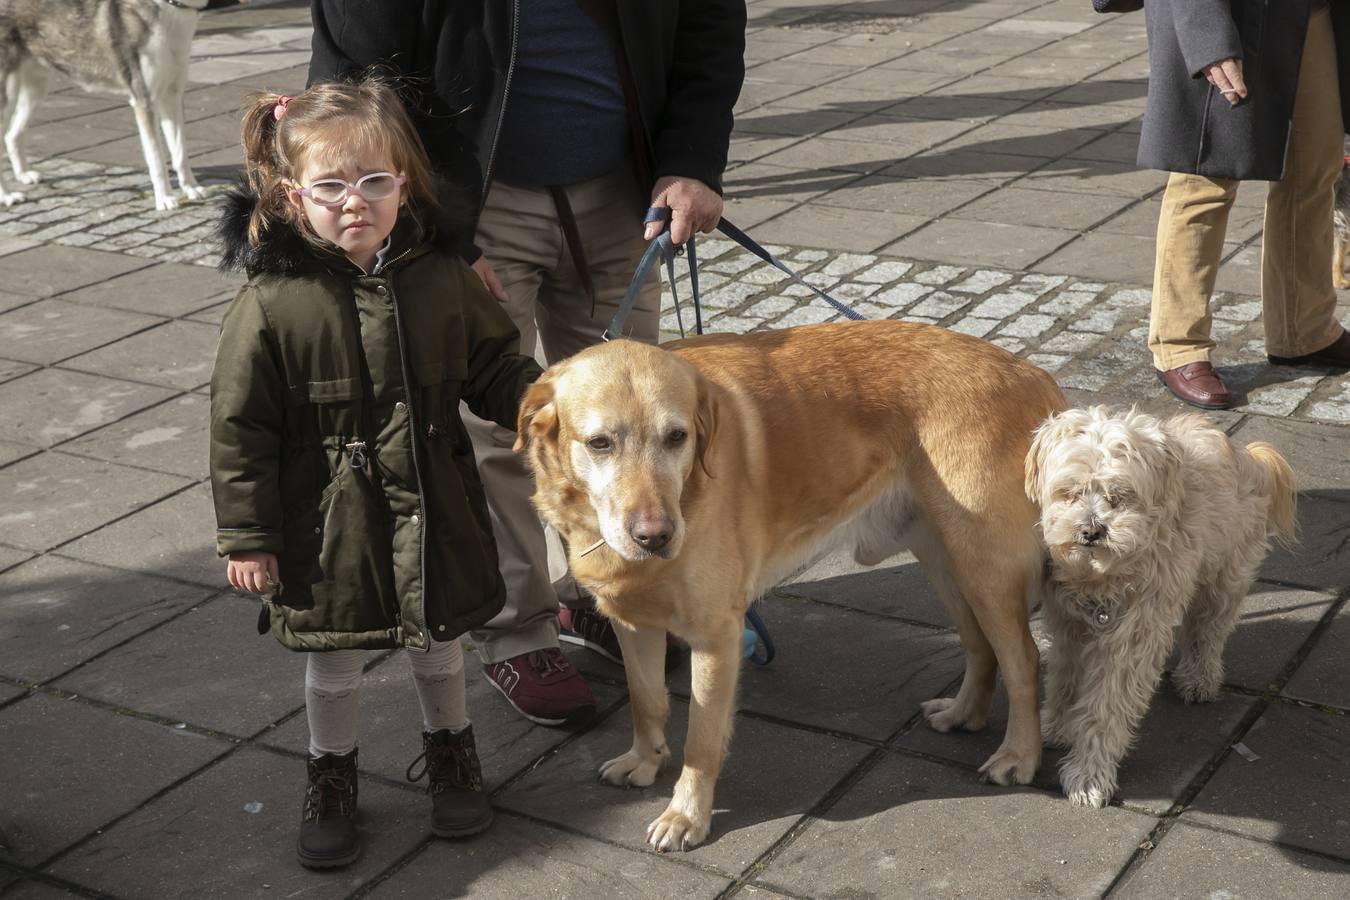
{"x":283,"y":251}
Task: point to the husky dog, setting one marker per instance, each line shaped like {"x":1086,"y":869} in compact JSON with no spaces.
{"x":135,"y":47}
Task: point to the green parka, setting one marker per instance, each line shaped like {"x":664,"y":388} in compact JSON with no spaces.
{"x":336,"y":440}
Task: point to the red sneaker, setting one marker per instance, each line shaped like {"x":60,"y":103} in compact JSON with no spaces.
{"x":543,"y":687}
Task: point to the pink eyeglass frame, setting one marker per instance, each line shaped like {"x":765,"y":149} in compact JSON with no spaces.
{"x":350,"y":188}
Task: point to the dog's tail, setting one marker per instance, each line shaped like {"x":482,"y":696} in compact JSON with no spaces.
{"x":1279,"y":489}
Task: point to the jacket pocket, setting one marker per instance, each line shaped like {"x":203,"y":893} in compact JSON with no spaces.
{"x":329,"y":408}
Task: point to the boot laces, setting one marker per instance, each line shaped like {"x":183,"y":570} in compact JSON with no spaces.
{"x":444,"y":765}
{"x":328,"y":788}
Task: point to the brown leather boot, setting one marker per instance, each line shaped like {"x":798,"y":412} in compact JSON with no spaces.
{"x":459,"y":806}
{"x":328,"y":836}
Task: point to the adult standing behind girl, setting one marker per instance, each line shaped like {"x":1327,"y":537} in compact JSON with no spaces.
{"x":345,"y":487}
{"x":1241,"y":91}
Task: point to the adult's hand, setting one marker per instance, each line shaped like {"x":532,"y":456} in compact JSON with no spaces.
{"x":1226,"y":75}
{"x":489,"y":278}
{"x":693,"y":207}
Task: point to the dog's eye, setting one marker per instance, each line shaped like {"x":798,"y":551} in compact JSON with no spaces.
{"x":676,"y":437}
{"x":600,"y":444}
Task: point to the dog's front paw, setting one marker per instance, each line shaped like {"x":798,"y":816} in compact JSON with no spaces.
{"x":632,"y":770}
{"x":194,"y":191}
{"x":1086,"y":788}
{"x":9,"y":198}
{"x":28,"y":176}
{"x":1010,"y":766}
{"x":675,"y":830}
{"x":166,"y":203}
{"x":1195,"y":685}
{"x":944,"y":715}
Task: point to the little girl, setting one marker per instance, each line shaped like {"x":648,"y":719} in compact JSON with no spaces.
{"x":344,"y":482}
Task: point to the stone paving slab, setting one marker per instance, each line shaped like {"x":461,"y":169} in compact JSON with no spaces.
{"x":1198,"y":862}
{"x":53,"y":269}
{"x":59,"y":613}
{"x":517,"y":856}
{"x":1321,"y":679}
{"x":11,"y":369}
{"x":7,"y":693}
{"x":9,"y":301}
{"x":50,"y":498}
{"x":167,"y":289}
{"x":10,"y":452}
{"x":49,"y":406}
{"x":917,"y":829}
{"x":12,"y":556}
{"x":38,"y":890}
{"x":224,"y":677}
{"x":171,"y":437}
{"x":43,"y":815}
{"x":1175,"y":743}
{"x":175,"y":537}
{"x":52,"y":330}
{"x":902,"y":591}
{"x":772,"y":776}
{"x":230,"y":832}
{"x":1273,"y":625}
{"x":391,"y":722}
{"x":177,"y":354}
{"x":1294,"y":792}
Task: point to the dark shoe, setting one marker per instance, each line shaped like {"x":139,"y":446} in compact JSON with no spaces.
{"x":1198,"y":384}
{"x":543,"y":687}
{"x":589,"y":629}
{"x":459,"y":807}
{"x":1335,"y":356}
{"x":328,"y":836}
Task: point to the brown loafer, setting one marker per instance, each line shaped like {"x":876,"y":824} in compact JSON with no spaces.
{"x":1336,"y":356}
{"x":1197,"y":384}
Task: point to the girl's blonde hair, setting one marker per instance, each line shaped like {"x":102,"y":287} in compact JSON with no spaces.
{"x":328,"y":119}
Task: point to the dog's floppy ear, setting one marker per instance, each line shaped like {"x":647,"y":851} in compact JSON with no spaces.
{"x":1042,"y":439}
{"x":706,"y":421}
{"x":538,"y":417}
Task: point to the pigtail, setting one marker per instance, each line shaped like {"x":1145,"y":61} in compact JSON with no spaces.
{"x":264,"y":166}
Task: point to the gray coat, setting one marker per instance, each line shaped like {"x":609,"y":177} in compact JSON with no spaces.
{"x":1188,"y":125}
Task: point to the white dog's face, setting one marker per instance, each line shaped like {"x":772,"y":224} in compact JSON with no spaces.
{"x":1103,"y":481}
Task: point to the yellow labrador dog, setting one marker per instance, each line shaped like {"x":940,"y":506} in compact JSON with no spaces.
{"x":690,"y":479}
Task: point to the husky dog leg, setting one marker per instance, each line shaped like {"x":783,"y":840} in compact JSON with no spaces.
{"x":166,"y":89}
{"x":27,"y":88}
{"x":143,"y":106}
{"x":9,"y":65}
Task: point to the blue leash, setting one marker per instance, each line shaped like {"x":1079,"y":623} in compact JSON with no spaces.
{"x":662,"y":247}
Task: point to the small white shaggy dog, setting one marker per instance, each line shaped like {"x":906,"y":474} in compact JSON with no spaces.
{"x":1149,"y":525}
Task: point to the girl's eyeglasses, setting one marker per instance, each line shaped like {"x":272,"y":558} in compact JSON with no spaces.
{"x":335,"y":191}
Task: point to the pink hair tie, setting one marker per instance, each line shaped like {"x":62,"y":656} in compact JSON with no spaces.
{"x":283,"y":100}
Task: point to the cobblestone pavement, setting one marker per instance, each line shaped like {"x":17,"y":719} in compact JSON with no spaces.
{"x":966,"y":163}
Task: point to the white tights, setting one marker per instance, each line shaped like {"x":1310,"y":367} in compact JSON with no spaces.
{"x":333,"y":693}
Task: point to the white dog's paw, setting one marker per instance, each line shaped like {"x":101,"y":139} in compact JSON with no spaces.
{"x":1010,"y":766}
{"x":9,"y":198}
{"x":944,"y":715}
{"x":194,"y":191}
{"x":28,"y":176}
{"x":631,"y":770}
{"x":675,"y":830}
{"x":166,"y":202}
{"x":1091,"y":789}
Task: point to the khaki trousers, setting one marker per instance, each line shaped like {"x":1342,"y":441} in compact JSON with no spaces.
{"x":520,"y":235}
{"x":1297,"y":297}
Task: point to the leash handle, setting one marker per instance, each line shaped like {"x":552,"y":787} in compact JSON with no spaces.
{"x":760,"y":631}
{"x":662,"y":246}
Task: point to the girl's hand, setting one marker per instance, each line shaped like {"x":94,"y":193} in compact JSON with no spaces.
{"x":254,"y":571}
{"x":1226,"y":75}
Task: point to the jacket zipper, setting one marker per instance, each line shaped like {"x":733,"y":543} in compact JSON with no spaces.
{"x":506,"y":94}
{"x":417,"y":466}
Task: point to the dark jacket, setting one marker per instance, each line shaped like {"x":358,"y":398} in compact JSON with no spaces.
{"x":686,"y":59}
{"x":336,"y":441}
{"x":1188,"y":125}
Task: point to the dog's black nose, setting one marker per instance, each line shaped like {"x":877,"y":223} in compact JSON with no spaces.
{"x":1091,"y":532}
{"x":652,"y":533}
